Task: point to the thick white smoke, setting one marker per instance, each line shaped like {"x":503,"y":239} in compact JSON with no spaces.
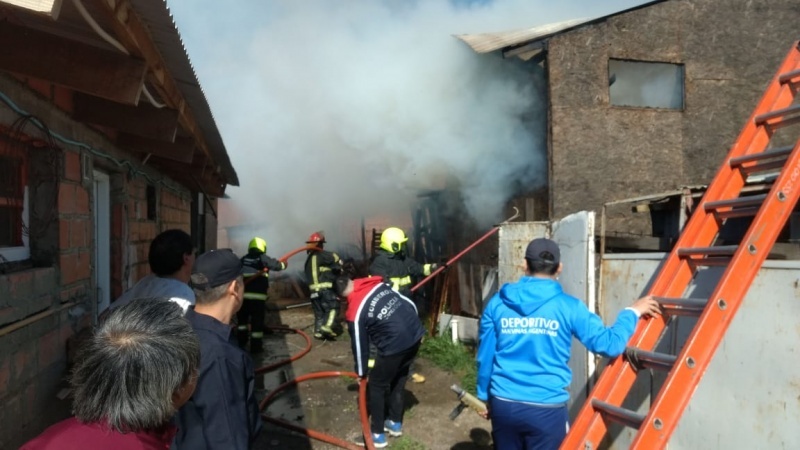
{"x":337,"y":110}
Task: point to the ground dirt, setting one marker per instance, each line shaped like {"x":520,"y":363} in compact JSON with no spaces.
{"x":330,"y":405}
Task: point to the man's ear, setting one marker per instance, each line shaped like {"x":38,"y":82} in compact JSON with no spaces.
{"x":560,"y":268}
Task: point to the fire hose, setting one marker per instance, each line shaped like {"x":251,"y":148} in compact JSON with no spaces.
{"x":362,"y":397}
{"x":285,"y":258}
{"x":452,"y":260}
{"x":362,"y":389}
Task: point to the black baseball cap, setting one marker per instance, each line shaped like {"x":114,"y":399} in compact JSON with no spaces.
{"x":215,"y":268}
{"x":542,"y":249}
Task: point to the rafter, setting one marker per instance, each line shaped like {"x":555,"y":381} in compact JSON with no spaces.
{"x":78,"y":66}
{"x":143,"y":120}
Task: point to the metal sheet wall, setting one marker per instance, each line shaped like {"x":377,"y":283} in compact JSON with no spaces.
{"x":750,"y":395}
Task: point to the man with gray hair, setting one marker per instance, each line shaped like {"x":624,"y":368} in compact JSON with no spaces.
{"x":223,"y":412}
{"x":136,"y":370}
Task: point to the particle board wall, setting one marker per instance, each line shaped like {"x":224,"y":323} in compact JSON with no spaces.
{"x":600,"y":153}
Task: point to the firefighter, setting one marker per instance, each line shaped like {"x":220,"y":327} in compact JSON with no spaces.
{"x":396,"y":268}
{"x":322,"y":268}
{"x":392,"y":263}
{"x":256,"y":267}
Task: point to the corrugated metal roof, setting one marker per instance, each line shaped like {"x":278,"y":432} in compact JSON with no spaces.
{"x":164,"y":32}
{"x":489,"y":42}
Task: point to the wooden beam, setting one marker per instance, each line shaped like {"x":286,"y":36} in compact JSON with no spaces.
{"x":85,"y":68}
{"x":130,"y":27}
{"x":143,"y":120}
{"x":182,"y":150}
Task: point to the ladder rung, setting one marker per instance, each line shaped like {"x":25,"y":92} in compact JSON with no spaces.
{"x":781,"y":152}
{"x":720,"y":250}
{"x":741,"y":202}
{"x":737,"y":213}
{"x":620,"y":415}
{"x":789,"y":76}
{"x":764,"y":118}
{"x":711,"y":262}
{"x":682,"y":306}
{"x":650,"y":360}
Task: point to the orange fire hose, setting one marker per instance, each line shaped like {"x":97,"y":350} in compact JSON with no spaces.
{"x":285,"y":259}
{"x":362,"y":397}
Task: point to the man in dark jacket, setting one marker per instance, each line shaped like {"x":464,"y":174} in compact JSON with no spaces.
{"x":322,"y":267}
{"x":376,"y":314}
{"x":223,"y":412}
{"x":257,"y":266}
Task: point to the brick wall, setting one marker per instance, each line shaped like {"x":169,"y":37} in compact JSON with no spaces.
{"x":47,"y":301}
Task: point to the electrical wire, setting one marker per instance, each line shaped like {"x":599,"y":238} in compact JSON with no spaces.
{"x":122,"y":163}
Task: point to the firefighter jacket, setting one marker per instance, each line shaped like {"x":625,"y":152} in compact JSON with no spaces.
{"x":378,"y":315}
{"x":398,"y":270}
{"x":256,"y":268}
{"x":322,"y":267}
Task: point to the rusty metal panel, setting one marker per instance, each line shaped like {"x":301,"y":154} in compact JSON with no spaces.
{"x":753,"y":382}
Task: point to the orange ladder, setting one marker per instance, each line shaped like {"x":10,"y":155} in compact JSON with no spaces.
{"x":696,"y":247}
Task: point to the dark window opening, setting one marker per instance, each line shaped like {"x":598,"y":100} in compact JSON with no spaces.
{"x":152,"y":203}
{"x":12,"y":199}
{"x":645,"y":84}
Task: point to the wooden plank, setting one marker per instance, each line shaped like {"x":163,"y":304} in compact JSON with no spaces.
{"x":85,"y":68}
{"x":143,"y":120}
{"x":182,"y":150}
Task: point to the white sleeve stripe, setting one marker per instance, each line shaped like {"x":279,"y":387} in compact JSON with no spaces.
{"x":357,"y":327}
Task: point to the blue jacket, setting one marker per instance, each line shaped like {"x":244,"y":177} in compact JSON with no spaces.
{"x":526,"y":335}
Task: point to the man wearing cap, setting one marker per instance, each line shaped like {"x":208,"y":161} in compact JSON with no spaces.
{"x":526,"y":335}
{"x":223,"y":412}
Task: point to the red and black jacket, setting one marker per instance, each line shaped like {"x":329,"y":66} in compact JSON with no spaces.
{"x":379,"y":315}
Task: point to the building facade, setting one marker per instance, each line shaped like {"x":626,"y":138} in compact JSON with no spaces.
{"x":105,"y":141}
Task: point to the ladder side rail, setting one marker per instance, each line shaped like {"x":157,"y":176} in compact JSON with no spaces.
{"x":674,"y":276}
{"x":696,"y":355}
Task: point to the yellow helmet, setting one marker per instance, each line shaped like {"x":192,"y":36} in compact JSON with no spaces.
{"x":257,"y":244}
{"x":392,"y":239}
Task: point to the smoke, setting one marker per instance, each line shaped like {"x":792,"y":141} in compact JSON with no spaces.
{"x":337,"y":110}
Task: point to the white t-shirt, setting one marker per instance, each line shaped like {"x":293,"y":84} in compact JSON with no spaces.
{"x":155,"y":286}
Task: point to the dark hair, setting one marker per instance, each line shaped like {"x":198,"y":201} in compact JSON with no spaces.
{"x":542,"y":266}
{"x":140,"y":355}
{"x":167,"y":251}
{"x":340,"y":285}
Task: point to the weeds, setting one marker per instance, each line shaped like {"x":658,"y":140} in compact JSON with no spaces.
{"x":454,"y":358}
{"x":407,"y":443}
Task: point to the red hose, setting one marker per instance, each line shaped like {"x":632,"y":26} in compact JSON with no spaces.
{"x":285,"y":259}
{"x":297,"y":356}
{"x":494,"y":230}
{"x":455,"y":258}
{"x":362,"y":398}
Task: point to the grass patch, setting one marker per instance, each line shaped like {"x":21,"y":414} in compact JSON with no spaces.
{"x":406,"y":443}
{"x":454,"y":358}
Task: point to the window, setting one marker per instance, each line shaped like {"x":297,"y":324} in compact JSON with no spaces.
{"x":645,"y":84}
{"x":13,"y":204}
{"x":152,"y":204}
